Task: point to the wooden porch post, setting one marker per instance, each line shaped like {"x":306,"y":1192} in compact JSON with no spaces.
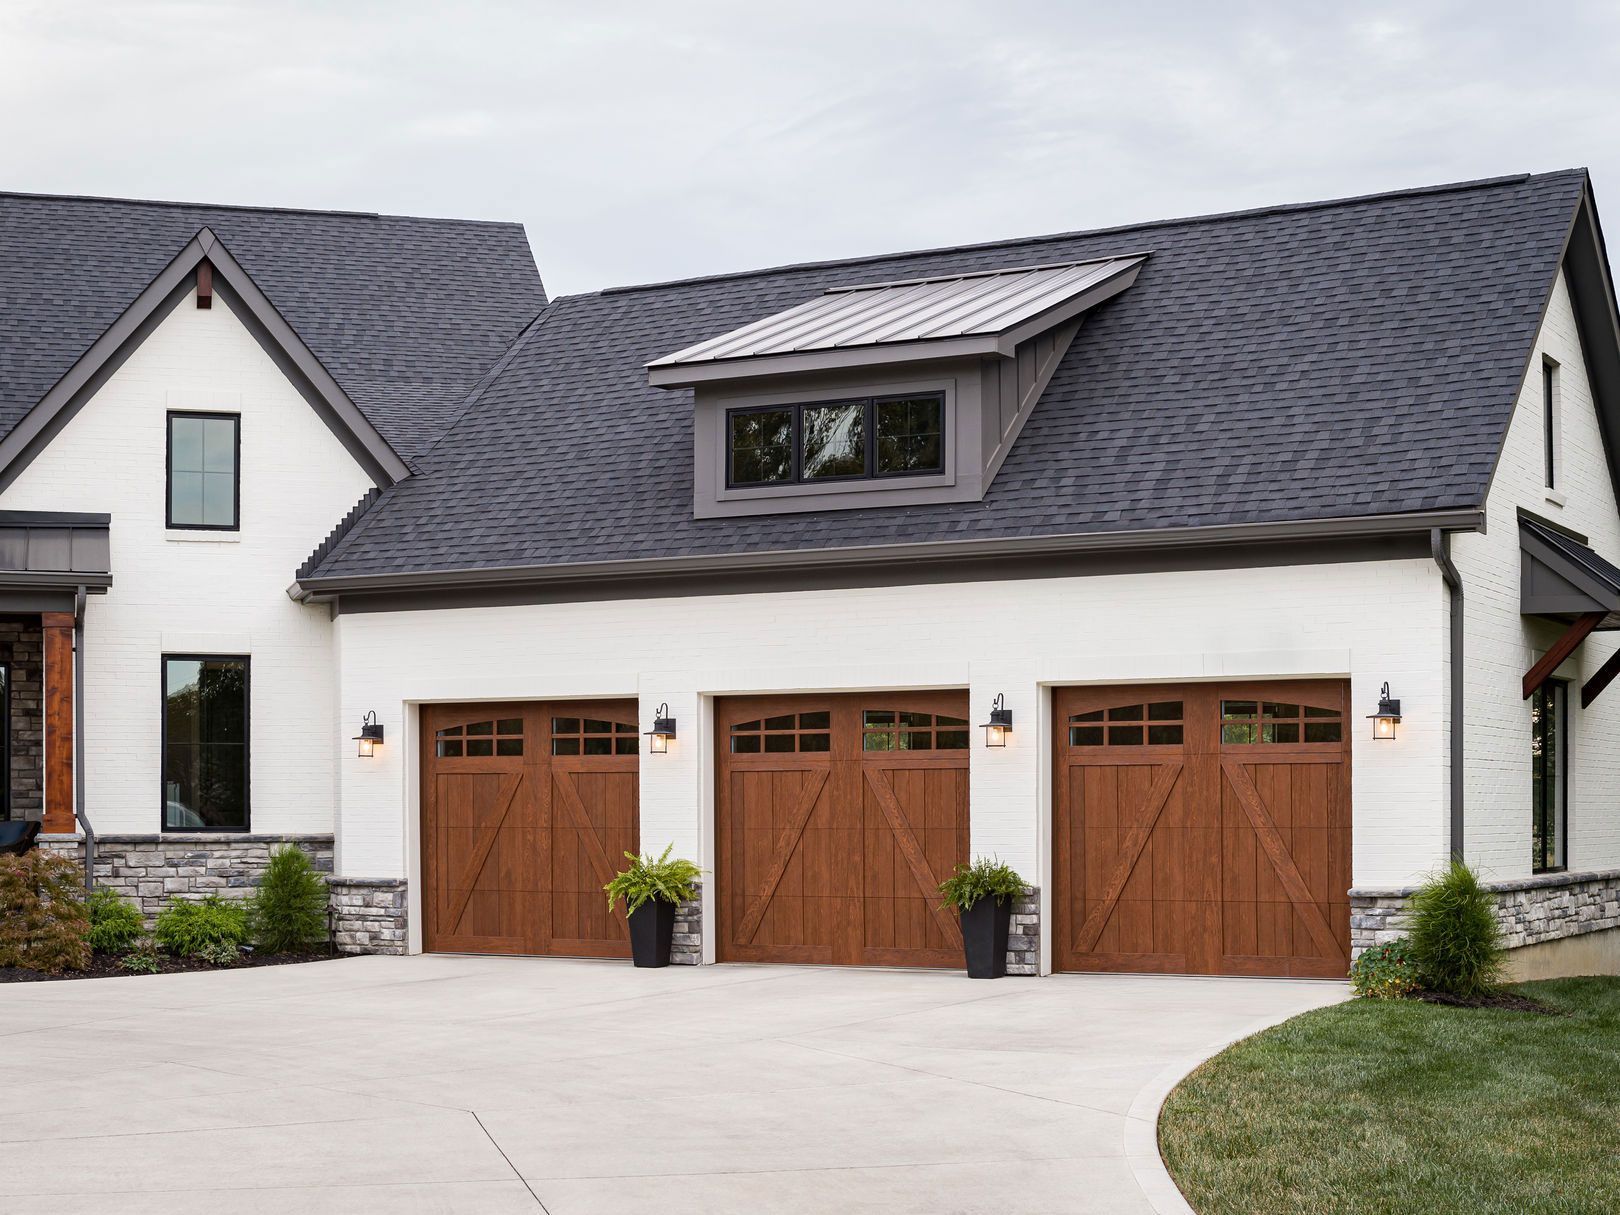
{"x":58,"y":630}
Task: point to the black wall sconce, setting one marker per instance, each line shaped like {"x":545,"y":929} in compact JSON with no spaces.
{"x":1000,"y":723}
{"x":1388,"y":716}
{"x":370,"y":736}
{"x":662,"y":731}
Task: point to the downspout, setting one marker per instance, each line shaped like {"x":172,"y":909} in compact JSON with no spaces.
{"x":1440,"y":547}
{"x":78,"y":742}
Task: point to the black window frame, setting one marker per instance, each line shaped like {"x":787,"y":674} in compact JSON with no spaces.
{"x":168,"y":471}
{"x":5,"y":741}
{"x":869,"y":406}
{"x":1553,"y":859}
{"x":163,"y":743}
{"x":1549,"y":421}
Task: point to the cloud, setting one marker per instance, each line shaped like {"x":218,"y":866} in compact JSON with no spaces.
{"x":650,"y":140}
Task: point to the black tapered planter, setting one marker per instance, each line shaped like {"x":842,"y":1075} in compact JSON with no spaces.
{"x":652,"y":931}
{"x":984,"y":937}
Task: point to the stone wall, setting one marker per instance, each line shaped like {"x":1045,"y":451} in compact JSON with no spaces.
{"x":369,"y":915}
{"x":151,"y":869}
{"x":1024,"y":937}
{"x":687,"y":949}
{"x":22,"y":645}
{"x":1533,"y":910}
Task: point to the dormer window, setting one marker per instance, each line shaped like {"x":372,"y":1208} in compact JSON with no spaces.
{"x":881,"y":394}
{"x":820,"y":441}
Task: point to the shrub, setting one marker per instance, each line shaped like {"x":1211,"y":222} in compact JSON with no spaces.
{"x":187,"y":929}
{"x":1456,"y":943}
{"x":142,"y":959}
{"x":115,"y":923}
{"x":671,"y":881}
{"x":43,"y":923}
{"x":220,"y":953}
{"x":985,"y":878}
{"x":1385,"y":972}
{"x":289,"y":910}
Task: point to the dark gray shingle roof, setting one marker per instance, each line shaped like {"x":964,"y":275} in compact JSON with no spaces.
{"x":405,"y":313}
{"x":1323,"y":361}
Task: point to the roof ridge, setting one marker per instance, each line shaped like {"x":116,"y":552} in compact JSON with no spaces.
{"x":272,"y":210}
{"x":1456,"y":187}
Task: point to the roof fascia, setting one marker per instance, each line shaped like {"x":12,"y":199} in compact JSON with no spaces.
{"x":1358,"y":527}
{"x":363,"y":440}
{"x":685,"y":375}
{"x":149,"y":308}
{"x":1007,"y":343}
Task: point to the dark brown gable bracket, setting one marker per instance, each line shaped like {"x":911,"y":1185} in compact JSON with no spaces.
{"x":205,"y":284}
{"x":1562,"y":649}
{"x":1593,"y":687}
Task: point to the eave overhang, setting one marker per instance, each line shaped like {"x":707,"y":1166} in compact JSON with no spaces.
{"x":889,"y":557}
{"x":1562,"y":578}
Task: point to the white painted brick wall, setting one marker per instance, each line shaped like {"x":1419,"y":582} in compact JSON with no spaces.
{"x":220,"y":596}
{"x":1502,"y":645}
{"x":1373,"y":621}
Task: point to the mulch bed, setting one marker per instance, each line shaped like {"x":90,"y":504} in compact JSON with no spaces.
{"x":105,"y":966}
{"x":1505,"y":1000}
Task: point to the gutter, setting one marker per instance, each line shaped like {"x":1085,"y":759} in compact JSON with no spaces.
{"x":324,"y":589}
{"x":78,"y":741}
{"x":1440,"y":546}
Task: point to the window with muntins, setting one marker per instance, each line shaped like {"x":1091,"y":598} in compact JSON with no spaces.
{"x":862,"y":438}
{"x":205,"y":743}
{"x":204,"y":489}
{"x":1158,"y":723}
{"x":480,"y":739}
{"x":784,"y":734}
{"x":1268,"y":721}
{"x":898,"y":730}
{"x":1549,"y":775}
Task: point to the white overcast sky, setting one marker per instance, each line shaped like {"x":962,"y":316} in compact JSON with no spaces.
{"x":641,"y":141}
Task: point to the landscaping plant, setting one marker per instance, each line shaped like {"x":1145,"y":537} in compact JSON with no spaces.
{"x":288,"y":912}
{"x":43,"y":922}
{"x":1455,"y":941}
{"x":1385,"y":972}
{"x":142,"y":959}
{"x":669,"y":881}
{"x":212,"y":927}
{"x":115,"y":923}
{"x":985,"y":878}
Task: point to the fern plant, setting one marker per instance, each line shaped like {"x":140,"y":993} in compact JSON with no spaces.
{"x":669,"y":881}
{"x":985,"y":878}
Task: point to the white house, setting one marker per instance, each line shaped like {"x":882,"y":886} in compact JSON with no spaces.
{"x":1276,"y":546}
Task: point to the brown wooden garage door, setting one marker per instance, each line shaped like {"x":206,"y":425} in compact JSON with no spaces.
{"x":526,"y":812}
{"x":1202,"y":829}
{"x":836,"y":818}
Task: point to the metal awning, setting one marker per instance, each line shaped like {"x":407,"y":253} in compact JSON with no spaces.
{"x":45,"y":555}
{"x":990,"y":312}
{"x":1563,"y":578}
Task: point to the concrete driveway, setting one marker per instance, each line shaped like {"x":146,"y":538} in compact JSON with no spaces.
{"x":497,"y":1085}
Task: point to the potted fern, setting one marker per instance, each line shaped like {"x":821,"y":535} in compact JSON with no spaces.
{"x":982,"y":894}
{"x":651,"y":889}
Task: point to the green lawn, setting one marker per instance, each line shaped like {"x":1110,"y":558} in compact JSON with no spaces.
{"x":1396,"y":1106}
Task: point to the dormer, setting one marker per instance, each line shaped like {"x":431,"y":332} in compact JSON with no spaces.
{"x":881,"y":394}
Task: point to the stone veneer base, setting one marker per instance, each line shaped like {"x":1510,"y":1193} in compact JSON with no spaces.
{"x":1531,"y":911}
{"x":369,"y":915}
{"x":687,"y":947}
{"x":1024,"y":938}
{"x":151,"y":869}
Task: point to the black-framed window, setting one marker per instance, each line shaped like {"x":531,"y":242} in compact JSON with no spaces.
{"x":204,"y":471}
{"x":1549,"y":420}
{"x":859,"y":438}
{"x":205,"y":743}
{"x":5,"y":741}
{"x":1549,"y":780}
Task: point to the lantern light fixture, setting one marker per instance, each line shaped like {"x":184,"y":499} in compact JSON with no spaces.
{"x":1000,"y":723}
{"x":370,"y":736}
{"x":1388,"y":716}
{"x":662,"y":731}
